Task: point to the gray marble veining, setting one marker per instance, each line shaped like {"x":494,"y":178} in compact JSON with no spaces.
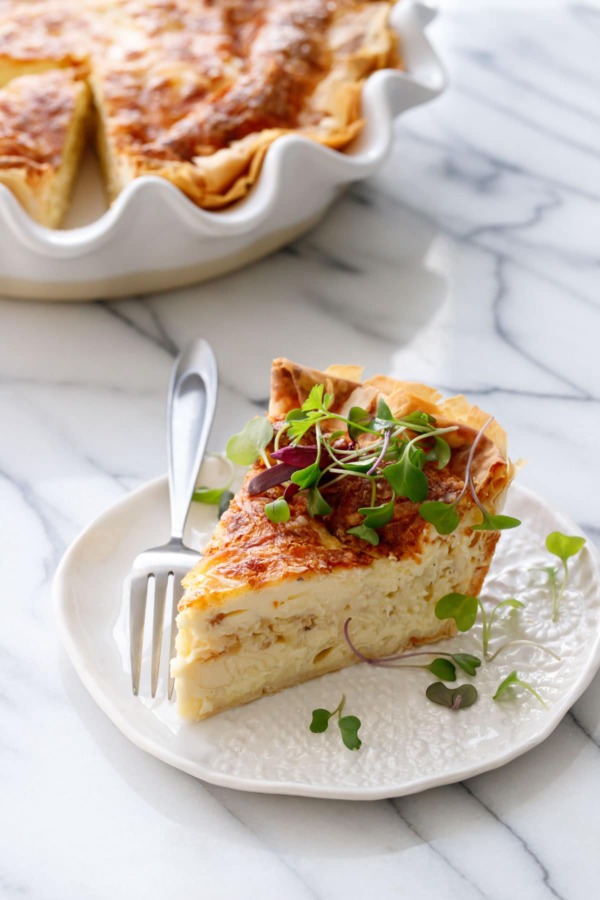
{"x":471,"y":261}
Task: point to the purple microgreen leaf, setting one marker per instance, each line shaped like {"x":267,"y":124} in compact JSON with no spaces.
{"x":443,"y":516}
{"x":269,"y":478}
{"x":300,"y":457}
{"x":460,"y":607}
{"x":377,"y":516}
{"x":366,"y":534}
{"x":453,"y":698}
{"x":290,"y":491}
{"x":316,"y":503}
{"x":381,"y":457}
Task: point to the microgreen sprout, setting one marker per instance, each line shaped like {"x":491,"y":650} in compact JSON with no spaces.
{"x":564,"y":546}
{"x":387,"y":451}
{"x":444,"y":665}
{"x":456,"y":698}
{"x":513,"y":680}
{"x":463,"y":609}
{"x":277,"y":511}
{"x":348,"y":725}
{"x":250,"y":444}
{"x":444,"y":516}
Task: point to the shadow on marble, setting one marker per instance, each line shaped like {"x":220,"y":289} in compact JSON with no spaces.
{"x":339,"y":829}
{"x":357,"y":287}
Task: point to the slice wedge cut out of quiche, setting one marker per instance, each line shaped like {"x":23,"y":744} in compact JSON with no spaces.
{"x":265,"y":607}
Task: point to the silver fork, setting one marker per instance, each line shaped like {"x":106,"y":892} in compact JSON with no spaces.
{"x":191,"y":409}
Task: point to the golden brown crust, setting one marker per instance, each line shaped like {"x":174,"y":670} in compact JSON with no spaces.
{"x":249,"y":551}
{"x":195,"y":91}
{"x":42,"y":120}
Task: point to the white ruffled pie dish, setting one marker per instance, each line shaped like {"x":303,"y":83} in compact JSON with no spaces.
{"x":154,"y":238}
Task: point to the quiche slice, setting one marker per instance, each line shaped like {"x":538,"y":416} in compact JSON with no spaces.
{"x":43,"y":121}
{"x":265,"y":607}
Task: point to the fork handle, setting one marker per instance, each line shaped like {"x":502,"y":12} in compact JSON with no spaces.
{"x":191,"y":409}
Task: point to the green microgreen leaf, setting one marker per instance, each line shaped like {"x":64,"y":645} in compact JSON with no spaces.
{"x":460,"y":607}
{"x":277,"y":511}
{"x":245,"y":447}
{"x":453,"y":698}
{"x":361,"y":467}
{"x":441,"y":452}
{"x":513,"y":680}
{"x":418,"y":418}
{"x":443,"y":516}
{"x":226,"y":498}
{"x":320,"y":720}
{"x":349,"y":726}
{"x":359,"y":421}
{"x":378,"y":516}
{"x":496,"y":523}
{"x":563,"y":545}
{"x":467,"y":662}
{"x":316,"y":503}
{"x":314,"y":399}
{"x":296,"y":415}
{"x":307,"y":477}
{"x":383,"y":411}
{"x":212,"y":496}
{"x":442,"y":668}
{"x":367,"y":534}
{"x":511,"y":602}
{"x":407,"y":477}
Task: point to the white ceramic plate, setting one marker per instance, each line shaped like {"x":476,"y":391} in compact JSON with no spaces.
{"x":154,"y":238}
{"x":409,"y":744}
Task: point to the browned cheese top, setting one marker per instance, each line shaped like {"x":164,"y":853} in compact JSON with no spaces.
{"x":183,"y":78}
{"x":248,"y":549}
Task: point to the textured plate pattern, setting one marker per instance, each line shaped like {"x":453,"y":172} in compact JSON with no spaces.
{"x":408,"y":743}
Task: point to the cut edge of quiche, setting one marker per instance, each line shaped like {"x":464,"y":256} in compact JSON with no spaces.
{"x":43,"y":126}
{"x":222,"y":167}
{"x":265,"y":607}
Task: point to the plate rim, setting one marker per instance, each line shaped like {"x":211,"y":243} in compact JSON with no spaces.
{"x":60,"y":593}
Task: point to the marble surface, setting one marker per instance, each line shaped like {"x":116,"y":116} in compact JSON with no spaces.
{"x":470,"y":261}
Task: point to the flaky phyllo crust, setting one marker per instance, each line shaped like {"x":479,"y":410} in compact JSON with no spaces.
{"x":195,"y":91}
{"x":247,"y":551}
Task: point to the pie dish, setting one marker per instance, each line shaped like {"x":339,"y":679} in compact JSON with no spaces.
{"x":194,"y":91}
{"x":265,"y":607}
{"x":171,"y":241}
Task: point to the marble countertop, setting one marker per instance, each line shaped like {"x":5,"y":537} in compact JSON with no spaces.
{"x":470,"y":262}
